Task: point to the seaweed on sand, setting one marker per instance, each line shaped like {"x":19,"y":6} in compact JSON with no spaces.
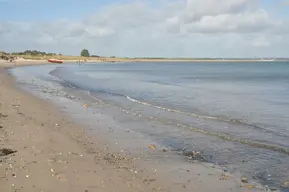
{"x":4,"y":151}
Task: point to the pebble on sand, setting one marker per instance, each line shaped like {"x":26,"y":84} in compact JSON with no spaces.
{"x":244,"y":180}
{"x":152,"y":146}
{"x":285,"y":184}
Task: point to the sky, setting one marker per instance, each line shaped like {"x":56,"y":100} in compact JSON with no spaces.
{"x":147,"y":28}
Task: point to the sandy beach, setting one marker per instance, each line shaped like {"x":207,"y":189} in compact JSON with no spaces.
{"x":37,"y":61}
{"x":44,"y":150}
{"x":50,"y":153}
{"x":25,"y":62}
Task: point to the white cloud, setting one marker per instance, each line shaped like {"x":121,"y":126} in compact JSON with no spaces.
{"x":197,"y":9}
{"x":191,"y":28}
{"x":245,"y":22}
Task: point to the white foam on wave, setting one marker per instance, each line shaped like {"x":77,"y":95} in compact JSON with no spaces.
{"x":169,"y":110}
{"x":222,"y":136}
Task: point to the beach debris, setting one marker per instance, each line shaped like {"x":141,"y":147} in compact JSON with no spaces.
{"x":266,"y":187}
{"x":224,"y":176}
{"x":61,"y":176}
{"x":194,"y":155}
{"x":274,"y":189}
{"x":115,"y":159}
{"x":4,"y":151}
{"x":152,"y":146}
{"x":3,"y":116}
{"x":164,"y":150}
{"x":244,"y":179}
{"x":251,"y":186}
{"x":285,"y":184}
{"x":148,"y":180}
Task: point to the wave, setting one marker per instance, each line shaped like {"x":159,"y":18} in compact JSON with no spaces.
{"x":236,"y":140}
{"x":231,"y":121}
{"x":167,"y":109}
{"x":222,"y":136}
{"x":70,"y":84}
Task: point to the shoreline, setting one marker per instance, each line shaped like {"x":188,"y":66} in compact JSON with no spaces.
{"x":25,"y":62}
{"x":49,"y":152}
{"x":57,"y":142}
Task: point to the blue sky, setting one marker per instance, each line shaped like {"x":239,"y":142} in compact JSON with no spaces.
{"x":276,"y":7}
{"x":32,"y":10}
{"x":229,"y":28}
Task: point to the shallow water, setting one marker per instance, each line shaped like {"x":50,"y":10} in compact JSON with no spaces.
{"x":236,"y":114}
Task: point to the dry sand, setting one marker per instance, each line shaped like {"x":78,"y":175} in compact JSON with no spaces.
{"x":24,"y":62}
{"x":21,"y":61}
{"x":51,"y":153}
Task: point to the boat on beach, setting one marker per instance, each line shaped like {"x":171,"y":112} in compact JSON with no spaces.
{"x":55,"y":61}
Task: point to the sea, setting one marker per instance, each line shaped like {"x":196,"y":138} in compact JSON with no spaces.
{"x":235,"y":114}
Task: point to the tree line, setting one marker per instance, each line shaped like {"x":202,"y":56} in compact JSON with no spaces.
{"x":34,"y":53}
{"x":83,"y":53}
{"x":29,"y":52}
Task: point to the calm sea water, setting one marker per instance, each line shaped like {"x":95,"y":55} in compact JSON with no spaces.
{"x":236,"y":114}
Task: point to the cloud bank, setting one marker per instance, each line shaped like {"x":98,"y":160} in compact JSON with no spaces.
{"x":184,"y":28}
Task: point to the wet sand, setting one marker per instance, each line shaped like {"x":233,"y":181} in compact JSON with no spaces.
{"x":49,"y":152}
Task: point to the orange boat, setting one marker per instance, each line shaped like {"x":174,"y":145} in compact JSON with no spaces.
{"x":55,"y":61}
